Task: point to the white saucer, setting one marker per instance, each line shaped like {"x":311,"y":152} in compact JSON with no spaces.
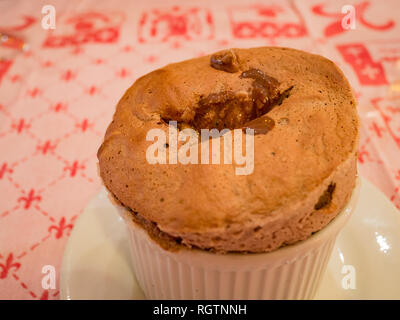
{"x":96,"y":263}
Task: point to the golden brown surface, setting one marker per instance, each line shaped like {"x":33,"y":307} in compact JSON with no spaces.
{"x":311,"y":148}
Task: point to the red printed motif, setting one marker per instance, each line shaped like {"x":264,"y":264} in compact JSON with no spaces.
{"x":4,"y":168}
{"x":68,"y":75}
{"x":20,"y":126}
{"x":260,"y":21}
{"x":73,"y":168}
{"x":46,"y":147}
{"x":160,"y":25}
{"x":84,"y":125}
{"x":91,"y":27}
{"x":4,"y":66}
{"x":59,"y":107}
{"x":369,"y":72}
{"x":363,"y":154}
{"x":8,"y":265}
{"x":29,"y":199}
{"x":336,"y":28}
{"x":60,"y":228}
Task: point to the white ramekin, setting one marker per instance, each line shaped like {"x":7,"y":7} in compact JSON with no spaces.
{"x":291,"y":272}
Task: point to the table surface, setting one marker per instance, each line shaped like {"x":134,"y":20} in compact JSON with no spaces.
{"x":57,"y":98}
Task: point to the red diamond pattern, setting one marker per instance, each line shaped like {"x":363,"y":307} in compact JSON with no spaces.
{"x":57,"y":99}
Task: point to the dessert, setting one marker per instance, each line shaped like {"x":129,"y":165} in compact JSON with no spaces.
{"x":305,"y":123}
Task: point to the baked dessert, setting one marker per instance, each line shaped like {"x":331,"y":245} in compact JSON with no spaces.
{"x":306,"y":134}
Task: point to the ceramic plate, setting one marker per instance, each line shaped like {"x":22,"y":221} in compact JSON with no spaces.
{"x":365,"y":262}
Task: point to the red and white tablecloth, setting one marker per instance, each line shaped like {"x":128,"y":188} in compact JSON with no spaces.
{"x":57,"y":98}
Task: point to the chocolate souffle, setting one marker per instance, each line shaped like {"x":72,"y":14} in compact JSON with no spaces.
{"x":304,"y":115}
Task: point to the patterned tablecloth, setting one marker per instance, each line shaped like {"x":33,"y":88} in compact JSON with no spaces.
{"x":57,"y":98}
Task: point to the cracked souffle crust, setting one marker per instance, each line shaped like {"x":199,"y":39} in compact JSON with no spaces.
{"x":304,"y":164}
